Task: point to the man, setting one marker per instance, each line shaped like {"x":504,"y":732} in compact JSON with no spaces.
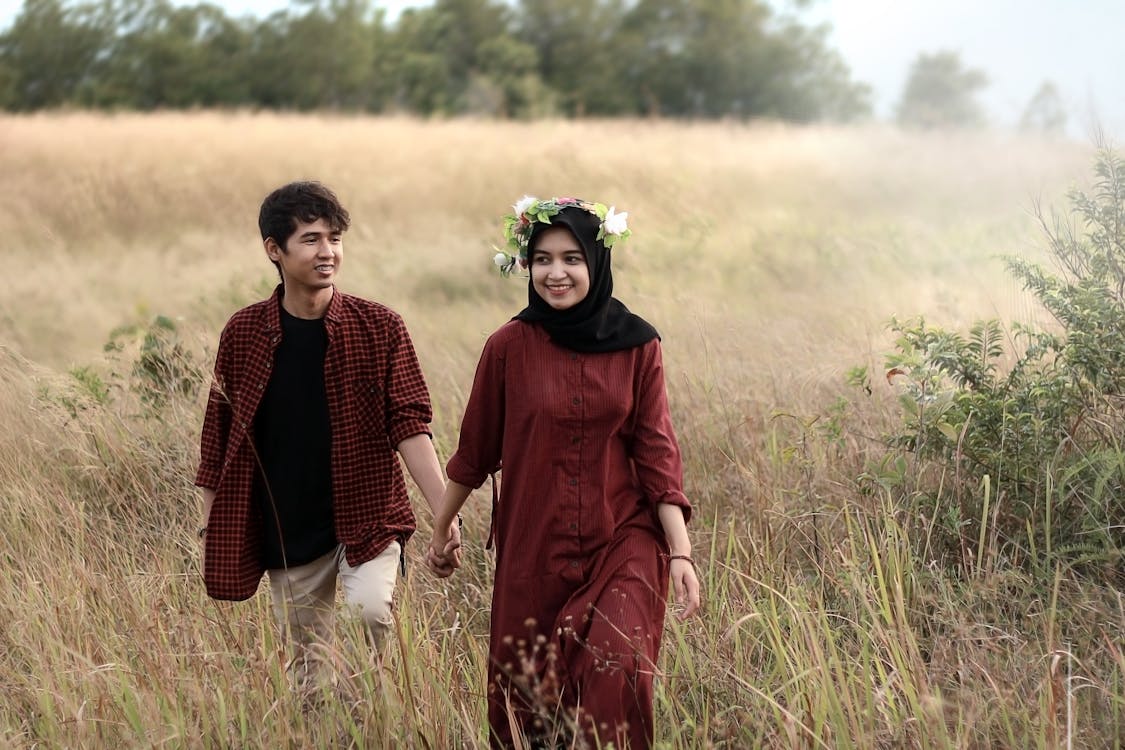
{"x":314,"y":391}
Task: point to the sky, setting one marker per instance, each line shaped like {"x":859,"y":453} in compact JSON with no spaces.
{"x":1018,"y":44}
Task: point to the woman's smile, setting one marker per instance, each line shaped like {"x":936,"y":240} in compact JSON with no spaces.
{"x":559,"y":274}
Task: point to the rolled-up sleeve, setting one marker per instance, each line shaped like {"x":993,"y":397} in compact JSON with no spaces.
{"x":480,"y":443}
{"x":407,"y":399}
{"x":656,"y":453}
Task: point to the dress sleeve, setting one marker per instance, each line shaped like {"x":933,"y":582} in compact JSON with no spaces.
{"x":656,"y":454}
{"x":481,"y":441}
{"x":407,"y":399}
{"x":216,"y":419}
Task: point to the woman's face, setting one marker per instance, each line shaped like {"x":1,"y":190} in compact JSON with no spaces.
{"x":559,"y":273}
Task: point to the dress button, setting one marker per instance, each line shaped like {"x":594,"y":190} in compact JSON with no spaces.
{"x":575,"y":440}
{"x":577,"y":401}
{"x":574,"y":527}
{"x":573,"y":482}
{"x":573,"y":355}
{"x":574,"y":563}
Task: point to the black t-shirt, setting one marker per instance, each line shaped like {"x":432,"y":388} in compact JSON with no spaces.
{"x":293,"y":436}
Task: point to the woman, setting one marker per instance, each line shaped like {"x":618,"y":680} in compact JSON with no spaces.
{"x":590,"y":522}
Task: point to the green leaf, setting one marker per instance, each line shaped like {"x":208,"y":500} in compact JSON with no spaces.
{"x":950,"y":432}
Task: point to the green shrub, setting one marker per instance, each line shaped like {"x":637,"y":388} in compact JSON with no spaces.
{"x":1015,"y":435}
{"x":163,"y":367}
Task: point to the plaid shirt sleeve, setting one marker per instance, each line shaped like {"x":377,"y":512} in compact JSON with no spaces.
{"x":407,"y":398}
{"x":216,"y":420}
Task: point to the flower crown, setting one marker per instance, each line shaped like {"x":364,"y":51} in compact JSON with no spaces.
{"x":528,"y":210}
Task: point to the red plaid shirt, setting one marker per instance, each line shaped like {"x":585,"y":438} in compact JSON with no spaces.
{"x":377,"y":397}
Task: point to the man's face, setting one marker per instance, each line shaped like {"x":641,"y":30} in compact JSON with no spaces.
{"x":311,"y":257}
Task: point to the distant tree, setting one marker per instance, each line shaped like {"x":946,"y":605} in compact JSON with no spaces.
{"x":49,"y":53}
{"x":717,"y":58}
{"x":681,"y":58}
{"x":419,"y":72}
{"x":1045,"y":112}
{"x":509,"y":67}
{"x":576,"y":43}
{"x":810,"y":81}
{"x":165,"y":55}
{"x":8,"y":96}
{"x":941,"y":92}
{"x":441,"y":52}
{"x":321,"y":58}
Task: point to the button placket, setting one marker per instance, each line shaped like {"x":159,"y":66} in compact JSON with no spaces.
{"x":571,"y":428}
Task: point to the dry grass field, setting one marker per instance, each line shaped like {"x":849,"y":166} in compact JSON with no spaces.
{"x":770,"y":258}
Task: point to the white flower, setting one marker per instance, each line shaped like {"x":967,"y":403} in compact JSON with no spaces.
{"x":523,"y":204}
{"x":615,"y":223}
{"x":500,"y":259}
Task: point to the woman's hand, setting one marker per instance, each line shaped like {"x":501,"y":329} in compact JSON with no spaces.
{"x":443,"y":556}
{"x":685,"y":584}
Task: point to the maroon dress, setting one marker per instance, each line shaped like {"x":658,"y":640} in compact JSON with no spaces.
{"x":578,"y":606}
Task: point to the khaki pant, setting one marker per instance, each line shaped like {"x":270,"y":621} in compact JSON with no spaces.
{"x":304,"y":603}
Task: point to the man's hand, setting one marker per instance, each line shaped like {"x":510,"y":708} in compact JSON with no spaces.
{"x":443,"y":555}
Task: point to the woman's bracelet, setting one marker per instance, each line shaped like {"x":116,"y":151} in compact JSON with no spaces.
{"x":682,"y":557}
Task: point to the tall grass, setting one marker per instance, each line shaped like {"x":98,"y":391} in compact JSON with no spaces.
{"x":768,"y":257}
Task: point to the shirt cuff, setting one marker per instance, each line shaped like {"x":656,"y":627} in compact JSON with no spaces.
{"x":403,"y":430}
{"x":207,"y":477}
{"x":674,"y":497}
{"x":457,"y":470}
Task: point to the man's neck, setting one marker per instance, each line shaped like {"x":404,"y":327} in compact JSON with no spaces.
{"x":309,"y":305}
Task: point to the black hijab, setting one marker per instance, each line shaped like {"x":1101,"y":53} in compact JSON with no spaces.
{"x":599,"y":323}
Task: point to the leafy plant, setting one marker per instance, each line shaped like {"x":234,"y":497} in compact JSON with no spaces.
{"x":1022,"y":425}
{"x":163,"y":366}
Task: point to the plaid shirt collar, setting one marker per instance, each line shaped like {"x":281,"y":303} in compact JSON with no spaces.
{"x":271,"y":314}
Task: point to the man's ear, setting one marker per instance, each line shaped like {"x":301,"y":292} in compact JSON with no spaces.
{"x":273,"y":250}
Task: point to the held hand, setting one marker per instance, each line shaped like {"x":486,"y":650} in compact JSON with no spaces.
{"x":443,"y":556}
{"x":686,"y":586}
{"x":453,"y":547}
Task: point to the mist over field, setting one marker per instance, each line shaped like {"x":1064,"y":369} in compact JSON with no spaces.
{"x":771,"y":259}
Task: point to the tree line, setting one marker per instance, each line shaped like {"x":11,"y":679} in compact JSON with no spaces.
{"x":671,"y":58}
